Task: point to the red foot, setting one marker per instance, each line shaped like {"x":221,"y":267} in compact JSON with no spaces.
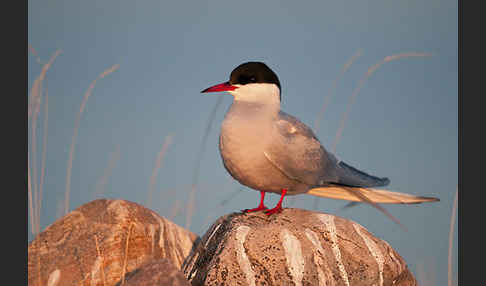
{"x":278,"y":207}
{"x":275,"y":210}
{"x":259,"y":208}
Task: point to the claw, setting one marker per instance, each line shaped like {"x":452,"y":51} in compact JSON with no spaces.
{"x":275,"y":210}
{"x":259,"y":208}
{"x":278,"y":207}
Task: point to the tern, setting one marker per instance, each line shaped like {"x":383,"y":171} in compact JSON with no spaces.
{"x":268,"y":150}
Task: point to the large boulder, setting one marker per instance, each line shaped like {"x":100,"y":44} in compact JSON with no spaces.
{"x":294,"y":247}
{"x":158,"y":272}
{"x":101,"y":242}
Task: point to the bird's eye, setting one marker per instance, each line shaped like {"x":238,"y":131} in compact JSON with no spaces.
{"x":247,"y":79}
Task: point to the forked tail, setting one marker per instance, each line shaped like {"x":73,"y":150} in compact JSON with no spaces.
{"x":374,"y":197}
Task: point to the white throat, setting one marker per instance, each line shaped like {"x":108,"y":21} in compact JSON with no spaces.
{"x":264,"y":93}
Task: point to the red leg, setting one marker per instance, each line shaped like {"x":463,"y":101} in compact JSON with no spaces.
{"x":278,"y":207}
{"x":260,"y":207}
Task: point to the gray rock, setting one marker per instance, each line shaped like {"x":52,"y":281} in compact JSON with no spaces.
{"x":89,"y":246}
{"x":294,"y":247}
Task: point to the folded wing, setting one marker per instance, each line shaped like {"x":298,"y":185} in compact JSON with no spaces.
{"x":296,"y":151}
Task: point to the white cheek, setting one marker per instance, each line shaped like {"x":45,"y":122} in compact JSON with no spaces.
{"x":257,"y":92}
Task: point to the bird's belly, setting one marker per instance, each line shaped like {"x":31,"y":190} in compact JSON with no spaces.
{"x":244,"y":159}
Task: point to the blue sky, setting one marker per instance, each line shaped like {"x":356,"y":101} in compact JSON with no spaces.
{"x":402,"y":125}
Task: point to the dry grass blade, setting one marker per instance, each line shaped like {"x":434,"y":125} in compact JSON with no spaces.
{"x":33,"y":112}
{"x":212,"y":115}
{"x":319,"y":116}
{"x":375,"y":205}
{"x":195,"y":176}
{"x":352,"y":99}
{"x":451,"y":237}
{"x":426,"y":274}
{"x":29,"y":193}
{"x":421,"y":276}
{"x":175,"y":209}
{"x":33,"y":160}
{"x":102,"y":260}
{"x":206,"y":221}
{"x":35,"y":90}
{"x":190,"y":206}
{"x":126,"y":255}
{"x":405,"y":55}
{"x":349,"y":205}
{"x":37,"y":58}
{"x":158,"y":163}
{"x":332,"y":89}
{"x":223,"y":202}
{"x":59,"y":207}
{"x":43,"y":160}
{"x":76,"y":127}
{"x":103,"y":180}
{"x":368,"y":73}
{"x":230,"y":197}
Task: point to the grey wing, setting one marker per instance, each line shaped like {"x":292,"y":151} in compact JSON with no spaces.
{"x":296,"y":151}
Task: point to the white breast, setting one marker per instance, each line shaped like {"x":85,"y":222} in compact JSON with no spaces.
{"x":243,"y":140}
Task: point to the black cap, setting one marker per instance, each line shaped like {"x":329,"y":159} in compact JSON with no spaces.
{"x":253,"y":72}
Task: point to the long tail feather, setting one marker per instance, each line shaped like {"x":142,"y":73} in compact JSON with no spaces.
{"x":363,"y":197}
{"x":375,"y":195}
{"x":370,"y":196}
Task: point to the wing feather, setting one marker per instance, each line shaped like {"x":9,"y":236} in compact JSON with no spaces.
{"x":296,"y":151}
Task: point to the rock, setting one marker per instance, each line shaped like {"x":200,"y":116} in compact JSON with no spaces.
{"x":294,"y":247}
{"x":157,"y":272}
{"x":89,"y":245}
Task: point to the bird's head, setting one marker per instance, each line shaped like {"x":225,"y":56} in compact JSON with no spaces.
{"x":251,"y":81}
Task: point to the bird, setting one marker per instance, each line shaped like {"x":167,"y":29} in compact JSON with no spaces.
{"x":269,"y":150}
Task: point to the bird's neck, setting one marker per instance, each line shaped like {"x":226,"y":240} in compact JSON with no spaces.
{"x":248,"y":123}
{"x":250,"y":111}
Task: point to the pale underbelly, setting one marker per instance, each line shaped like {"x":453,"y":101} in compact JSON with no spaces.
{"x":246,"y":163}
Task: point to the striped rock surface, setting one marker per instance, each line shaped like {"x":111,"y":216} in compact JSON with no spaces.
{"x":100,"y":241}
{"x":294,"y":247}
